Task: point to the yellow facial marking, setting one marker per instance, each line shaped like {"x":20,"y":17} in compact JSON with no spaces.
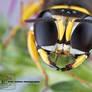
{"x":60,"y":29}
{"x":69,"y":30}
{"x":44,"y":56}
{"x":70,"y":24}
{"x":79,"y":61}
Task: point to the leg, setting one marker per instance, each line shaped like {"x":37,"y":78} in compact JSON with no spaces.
{"x":56,"y":58}
{"x":11,"y":35}
{"x":34,"y":54}
{"x":31,"y":9}
{"x":79,"y":60}
{"x":27,"y":12}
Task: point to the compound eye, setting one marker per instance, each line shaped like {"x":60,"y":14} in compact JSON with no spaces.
{"x":45,"y":32}
{"x":81,"y":38}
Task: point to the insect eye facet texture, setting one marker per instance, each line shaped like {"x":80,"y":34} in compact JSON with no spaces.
{"x":81,"y":38}
{"x":46,"y":32}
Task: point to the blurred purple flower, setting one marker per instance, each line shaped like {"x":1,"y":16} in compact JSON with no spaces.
{"x":11,"y":7}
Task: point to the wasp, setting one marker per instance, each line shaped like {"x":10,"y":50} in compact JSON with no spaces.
{"x":63,"y":27}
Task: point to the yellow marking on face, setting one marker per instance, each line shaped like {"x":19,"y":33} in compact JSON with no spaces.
{"x":69,"y":30}
{"x":79,"y":61}
{"x":60,"y":30}
{"x":44,"y":56}
{"x":32,"y":47}
{"x":80,"y":9}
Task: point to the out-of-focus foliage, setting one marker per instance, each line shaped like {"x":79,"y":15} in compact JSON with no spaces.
{"x":15,"y":58}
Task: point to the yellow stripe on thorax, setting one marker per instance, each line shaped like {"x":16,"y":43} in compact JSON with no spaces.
{"x":59,"y":7}
{"x":80,"y":9}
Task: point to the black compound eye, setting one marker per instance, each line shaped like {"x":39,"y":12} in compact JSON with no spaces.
{"x":45,"y":32}
{"x":81,"y":38}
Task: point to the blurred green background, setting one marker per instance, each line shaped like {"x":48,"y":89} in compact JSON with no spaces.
{"x":16,"y":64}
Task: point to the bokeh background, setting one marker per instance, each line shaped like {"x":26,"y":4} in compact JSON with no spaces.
{"x":16,"y":64}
